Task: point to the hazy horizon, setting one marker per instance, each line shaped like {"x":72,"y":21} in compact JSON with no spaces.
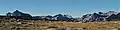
{"x":75,"y":8}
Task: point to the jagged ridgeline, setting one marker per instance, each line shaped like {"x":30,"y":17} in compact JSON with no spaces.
{"x":100,"y":16}
{"x":20,"y":15}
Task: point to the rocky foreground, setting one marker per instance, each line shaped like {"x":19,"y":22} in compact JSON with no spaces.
{"x":58,"y":25}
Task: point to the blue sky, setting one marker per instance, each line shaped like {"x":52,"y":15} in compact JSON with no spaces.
{"x":75,"y":8}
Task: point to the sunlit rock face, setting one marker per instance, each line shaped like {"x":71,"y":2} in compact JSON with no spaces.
{"x":18,"y":13}
{"x":118,"y":15}
{"x":58,"y":17}
{"x":85,"y":17}
{"x":62,"y":17}
{"x":94,"y":17}
{"x":100,"y":16}
{"x":111,"y":12}
{"x":48,"y":17}
{"x":9,"y":14}
{"x":113,"y":16}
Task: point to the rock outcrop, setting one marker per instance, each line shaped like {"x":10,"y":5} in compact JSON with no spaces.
{"x":19,"y":14}
{"x":100,"y":16}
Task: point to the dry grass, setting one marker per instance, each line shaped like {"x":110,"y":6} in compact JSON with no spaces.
{"x":58,"y":25}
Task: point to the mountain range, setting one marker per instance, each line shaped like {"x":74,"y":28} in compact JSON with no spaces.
{"x":100,"y":16}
